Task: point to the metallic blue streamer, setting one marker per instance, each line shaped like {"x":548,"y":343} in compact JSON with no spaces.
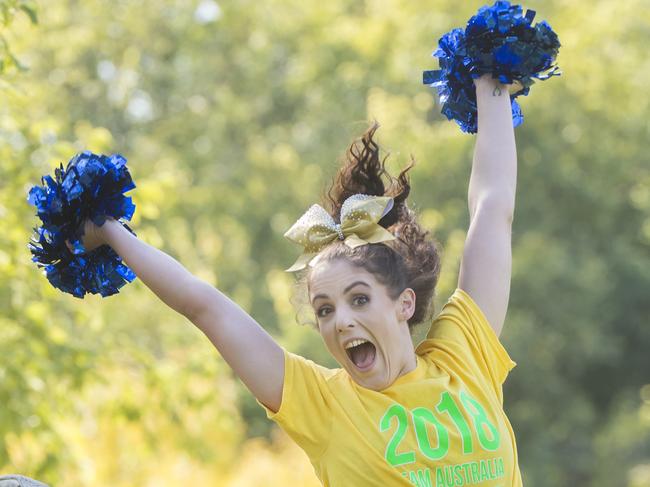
{"x":498,"y":40}
{"x":91,"y":187}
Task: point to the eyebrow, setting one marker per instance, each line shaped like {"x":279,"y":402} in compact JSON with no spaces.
{"x":344,"y":291}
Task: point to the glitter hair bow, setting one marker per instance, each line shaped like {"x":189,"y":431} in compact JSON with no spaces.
{"x":360,"y":214}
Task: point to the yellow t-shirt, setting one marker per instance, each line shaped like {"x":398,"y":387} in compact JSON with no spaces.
{"x":442,"y":424}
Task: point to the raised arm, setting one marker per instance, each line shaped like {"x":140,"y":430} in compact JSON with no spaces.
{"x":251,"y":352}
{"x":486,"y":265}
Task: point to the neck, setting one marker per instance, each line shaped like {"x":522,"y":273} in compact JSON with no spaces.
{"x":410,"y":360}
{"x":410,"y":365}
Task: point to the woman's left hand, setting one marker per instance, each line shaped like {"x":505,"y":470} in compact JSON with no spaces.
{"x":487,"y":80}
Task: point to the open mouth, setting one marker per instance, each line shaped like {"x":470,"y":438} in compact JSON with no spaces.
{"x":363,"y":356}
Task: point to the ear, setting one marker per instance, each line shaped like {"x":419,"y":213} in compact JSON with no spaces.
{"x":406,"y":304}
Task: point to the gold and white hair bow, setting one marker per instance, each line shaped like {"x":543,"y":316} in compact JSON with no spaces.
{"x":360,"y":214}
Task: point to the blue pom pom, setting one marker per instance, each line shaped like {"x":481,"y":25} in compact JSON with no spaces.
{"x":498,"y":40}
{"x":90,"y":187}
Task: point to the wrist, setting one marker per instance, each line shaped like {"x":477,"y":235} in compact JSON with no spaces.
{"x":493,"y":95}
{"x":108,"y":229}
{"x":486,"y":85}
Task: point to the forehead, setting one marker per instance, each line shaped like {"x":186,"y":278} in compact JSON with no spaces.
{"x":334,"y":276}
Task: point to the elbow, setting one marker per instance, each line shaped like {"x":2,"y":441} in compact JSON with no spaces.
{"x":198,"y":296}
{"x":495,"y":204}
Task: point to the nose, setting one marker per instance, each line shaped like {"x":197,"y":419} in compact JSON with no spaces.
{"x":340,"y":328}
{"x":344,"y":323}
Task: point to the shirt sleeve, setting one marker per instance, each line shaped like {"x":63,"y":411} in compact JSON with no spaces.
{"x":462,"y":336}
{"x":305,"y":407}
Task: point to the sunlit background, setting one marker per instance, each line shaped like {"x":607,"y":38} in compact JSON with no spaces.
{"x":232,"y":116}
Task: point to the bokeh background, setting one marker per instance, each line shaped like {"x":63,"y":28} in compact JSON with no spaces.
{"x":233,"y":116}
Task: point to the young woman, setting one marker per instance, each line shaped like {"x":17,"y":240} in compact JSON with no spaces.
{"x":392,"y":414}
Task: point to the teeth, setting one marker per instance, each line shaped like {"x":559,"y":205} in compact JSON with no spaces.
{"x":354,"y":343}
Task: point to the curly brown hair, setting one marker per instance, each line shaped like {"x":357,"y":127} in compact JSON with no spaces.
{"x":410,"y":261}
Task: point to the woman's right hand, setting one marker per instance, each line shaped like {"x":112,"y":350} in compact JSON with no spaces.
{"x":93,"y":236}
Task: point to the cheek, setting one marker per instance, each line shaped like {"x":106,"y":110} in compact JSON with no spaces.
{"x":327,"y":336}
{"x":330,"y":343}
{"x":329,"y":339}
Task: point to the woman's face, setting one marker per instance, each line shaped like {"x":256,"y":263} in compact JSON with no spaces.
{"x":351,"y":304}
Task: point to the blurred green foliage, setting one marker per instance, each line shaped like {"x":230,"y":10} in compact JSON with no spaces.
{"x":8,"y":10}
{"x":232,"y":116}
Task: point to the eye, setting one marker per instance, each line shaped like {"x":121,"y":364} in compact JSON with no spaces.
{"x":363,"y":297}
{"x":319,"y":313}
{"x":359,"y":299}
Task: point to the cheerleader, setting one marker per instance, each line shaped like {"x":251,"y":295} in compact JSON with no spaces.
{"x":392,"y":413}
